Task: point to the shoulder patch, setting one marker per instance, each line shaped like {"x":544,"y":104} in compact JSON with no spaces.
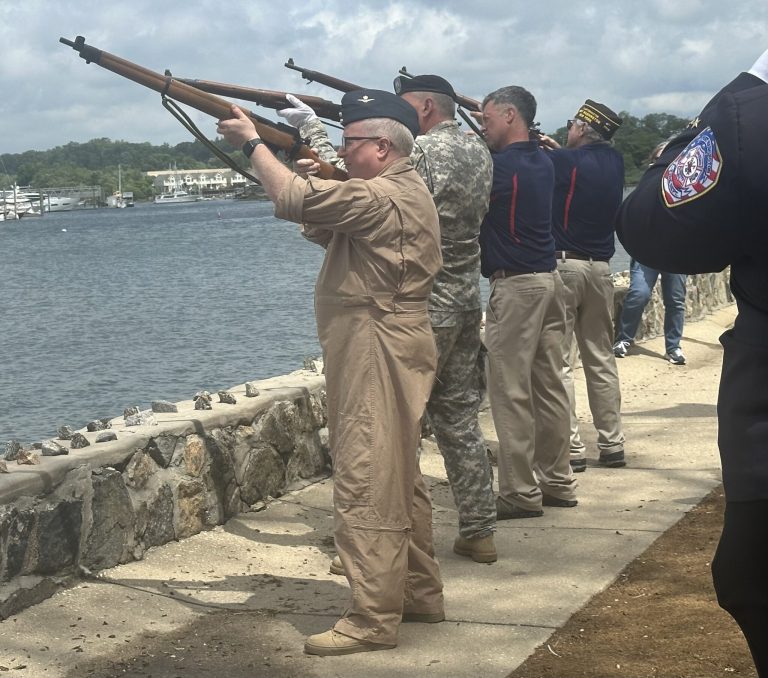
{"x":694,"y":172}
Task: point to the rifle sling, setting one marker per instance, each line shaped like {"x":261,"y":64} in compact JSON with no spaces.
{"x":177,"y":112}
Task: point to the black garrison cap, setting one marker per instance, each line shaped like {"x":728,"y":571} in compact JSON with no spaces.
{"x":361,"y":104}
{"x":600,"y":118}
{"x":424,"y":83}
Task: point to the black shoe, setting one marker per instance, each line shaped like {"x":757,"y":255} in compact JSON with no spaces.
{"x":613,"y":460}
{"x":548,"y":500}
{"x":578,"y":465}
{"x":506,"y":511}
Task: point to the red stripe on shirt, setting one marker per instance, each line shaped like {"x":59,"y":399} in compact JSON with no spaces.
{"x":568,"y":199}
{"x":512,"y":208}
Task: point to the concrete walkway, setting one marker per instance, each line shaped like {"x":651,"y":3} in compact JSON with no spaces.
{"x":239,"y":600}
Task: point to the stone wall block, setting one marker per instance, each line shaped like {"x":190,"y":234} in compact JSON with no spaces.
{"x":139,"y":470}
{"x":154,"y":518}
{"x":307,"y":460}
{"x":245,"y":440}
{"x":190,"y":456}
{"x":318,"y":411}
{"x":20,"y":541}
{"x":111,"y":537}
{"x":11,"y":547}
{"x":264,"y":475}
{"x":223,"y":490}
{"x":190,"y":509}
{"x":58,"y":536}
{"x":275,"y":427}
{"x":162,"y":448}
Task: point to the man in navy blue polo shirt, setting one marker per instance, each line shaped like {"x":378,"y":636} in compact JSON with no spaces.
{"x":589,"y":181}
{"x":525,"y":315}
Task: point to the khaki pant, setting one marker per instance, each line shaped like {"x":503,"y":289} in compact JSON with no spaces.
{"x":589,"y":319}
{"x":523,"y":335}
{"x":380,"y":368}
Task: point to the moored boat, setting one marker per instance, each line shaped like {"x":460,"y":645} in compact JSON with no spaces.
{"x":176,"y":197}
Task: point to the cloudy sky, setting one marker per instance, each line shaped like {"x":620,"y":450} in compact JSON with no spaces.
{"x":643,"y":56}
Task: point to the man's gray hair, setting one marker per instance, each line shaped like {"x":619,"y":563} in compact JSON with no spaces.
{"x":519,"y":97}
{"x":400,"y":137}
{"x":590,"y":132}
{"x":445,"y":105}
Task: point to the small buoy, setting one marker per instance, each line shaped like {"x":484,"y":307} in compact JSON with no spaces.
{"x":63,"y":230}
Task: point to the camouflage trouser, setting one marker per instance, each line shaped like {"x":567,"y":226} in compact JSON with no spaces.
{"x":452,"y":412}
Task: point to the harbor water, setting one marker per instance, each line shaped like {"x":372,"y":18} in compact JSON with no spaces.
{"x":110,"y":308}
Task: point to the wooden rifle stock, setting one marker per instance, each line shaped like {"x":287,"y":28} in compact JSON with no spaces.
{"x":322,"y":78}
{"x":214,"y":106}
{"x":266,"y":97}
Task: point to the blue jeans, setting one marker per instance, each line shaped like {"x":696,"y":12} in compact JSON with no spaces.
{"x":641,"y":282}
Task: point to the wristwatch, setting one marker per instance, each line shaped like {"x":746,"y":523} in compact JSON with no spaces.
{"x":248,"y":146}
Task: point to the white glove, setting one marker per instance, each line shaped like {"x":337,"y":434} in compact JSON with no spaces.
{"x":760,"y":67}
{"x":299,"y":115}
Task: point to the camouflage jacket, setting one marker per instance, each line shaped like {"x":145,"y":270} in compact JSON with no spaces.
{"x":458,"y":171}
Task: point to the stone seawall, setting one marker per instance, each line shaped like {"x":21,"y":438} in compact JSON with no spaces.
{"x":108,"y":502}
{"x":92,"y":507}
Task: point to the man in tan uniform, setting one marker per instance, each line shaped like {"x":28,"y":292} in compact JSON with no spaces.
{"x":382,"y":240}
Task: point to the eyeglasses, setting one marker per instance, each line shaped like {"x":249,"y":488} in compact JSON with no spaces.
{"x":345,"y":140}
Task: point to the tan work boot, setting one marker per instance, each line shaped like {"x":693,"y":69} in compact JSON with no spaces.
{"x":332,"y":643}
{"x":336,"y":567}
{"x":481,"y":550}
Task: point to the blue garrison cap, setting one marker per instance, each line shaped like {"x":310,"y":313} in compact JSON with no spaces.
{"x":361,"y":104}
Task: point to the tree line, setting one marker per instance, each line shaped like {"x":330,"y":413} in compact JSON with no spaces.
{"x":96,"y":162}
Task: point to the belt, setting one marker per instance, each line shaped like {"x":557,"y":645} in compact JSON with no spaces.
{"x":565,"y":254}
{"x":502,"y":273}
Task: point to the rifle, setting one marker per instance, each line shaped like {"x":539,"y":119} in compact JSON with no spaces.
{"x":266,"y":97}
{"x":322,"y":78}
{"x":277,"y":135}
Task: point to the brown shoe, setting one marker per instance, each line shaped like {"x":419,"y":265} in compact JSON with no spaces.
{"x":506,"y":511}
{"x":332,"y":643}
{"x":549,"y":500}
{"x":481,"y":550}
{"x":424,"y":617}
{"x":336,"y":567}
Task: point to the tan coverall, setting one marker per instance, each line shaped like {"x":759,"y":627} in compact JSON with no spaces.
{"x":382,"y":245}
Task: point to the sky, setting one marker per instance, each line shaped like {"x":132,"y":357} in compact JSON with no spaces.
{"x":640,"y":56}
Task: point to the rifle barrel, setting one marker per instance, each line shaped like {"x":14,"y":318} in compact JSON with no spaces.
{"x":202,"y":101}
{"x":323,"y":78}
{"x":267,"y":97}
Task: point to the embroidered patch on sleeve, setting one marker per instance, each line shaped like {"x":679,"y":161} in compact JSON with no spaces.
{"x":694,"y":172}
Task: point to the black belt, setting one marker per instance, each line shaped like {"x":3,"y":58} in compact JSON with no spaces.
{"x":502,"y":273}
{"x":565,"y":254}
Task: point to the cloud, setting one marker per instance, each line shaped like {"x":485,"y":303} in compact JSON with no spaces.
{"x":648,"y":56}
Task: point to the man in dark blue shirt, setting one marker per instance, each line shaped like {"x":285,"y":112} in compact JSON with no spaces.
{"x":525,"y":315}
{"x":700,"y":208}
{"x":589,"y":181}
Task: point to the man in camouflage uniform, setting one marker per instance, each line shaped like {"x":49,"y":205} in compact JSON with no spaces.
{"x":458,"y":170}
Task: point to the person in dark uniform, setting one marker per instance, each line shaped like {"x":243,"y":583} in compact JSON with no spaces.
{"x":589,"y":183}
{"x":700,"y":208}
{"x":525,"y":315}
